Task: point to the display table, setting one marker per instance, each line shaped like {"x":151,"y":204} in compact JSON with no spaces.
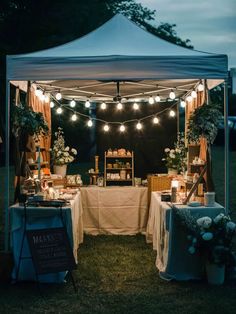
{"x":114,"y":210}
{"x":170,"y":241}
{"x":40,"y":218}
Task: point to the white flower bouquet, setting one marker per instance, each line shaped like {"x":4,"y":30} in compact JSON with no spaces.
{"x":211,"y":237}
{"x":61,"y":154}
{"x":176,"y":158}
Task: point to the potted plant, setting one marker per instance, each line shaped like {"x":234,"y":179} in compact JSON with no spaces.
{"x":26,"y":122}
{"x":176,"y":158}
{"x":203,"y":123}
{"x":213,"y":239}
{"x":61,"y":155}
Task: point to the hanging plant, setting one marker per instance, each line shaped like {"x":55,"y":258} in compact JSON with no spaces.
{"x":204,"y":123}
{"x":24,"y":119}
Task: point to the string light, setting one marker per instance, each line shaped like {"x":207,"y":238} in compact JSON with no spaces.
{"x":58,"y":96}
{"x":59,"y":110}
{"x":151,"y":100}
{"x":87,"y":104}
{"x":200,"y":87}
{"x":136,"y":106}
{"x":72,"y":103}
{"x":52,"y":104}
{"x":119,"y":106}
{"x":42,"y":97}
{"x":172,"y":95}
{"x":122,"y":128}
{"x":189,"y":98}
{"x":139,"y":126}
{"x":172,"y":113}
{"x":194,"y":94}
{"x":157,"y":98}
{"x":155,"y":120}
{"x":37,"y":92}
{"x":74,"y":117}
{"x":106,"y":128}
{"x":183,"y":104}
{"x":90,"y":123}
{"x":103,"y":106}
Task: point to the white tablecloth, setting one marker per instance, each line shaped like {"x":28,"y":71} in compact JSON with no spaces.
{"x":40,"y":218}
{"x":170,"y":241}
{"x":114,"y":210}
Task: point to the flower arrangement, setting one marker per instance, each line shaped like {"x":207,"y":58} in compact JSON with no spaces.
{"x":61,"y":154}
{"x":176,"y":158}
{"x":211,"y":237}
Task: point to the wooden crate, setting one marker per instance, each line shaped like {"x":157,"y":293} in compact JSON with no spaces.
{"x":158,"y":183}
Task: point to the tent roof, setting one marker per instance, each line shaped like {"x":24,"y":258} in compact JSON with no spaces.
{"x":117,"y":50}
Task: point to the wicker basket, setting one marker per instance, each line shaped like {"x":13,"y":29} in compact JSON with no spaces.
{"x":158,"y":183}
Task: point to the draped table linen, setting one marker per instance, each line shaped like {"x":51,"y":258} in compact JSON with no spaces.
{"x":44,"y":218}
{"x":114,"y":210}
{"x":170,"y":241}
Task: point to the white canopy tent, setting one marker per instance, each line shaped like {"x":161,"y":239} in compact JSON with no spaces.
{"x":119,"y":50}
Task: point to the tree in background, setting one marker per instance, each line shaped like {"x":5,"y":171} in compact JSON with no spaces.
{"x":27,"y":25}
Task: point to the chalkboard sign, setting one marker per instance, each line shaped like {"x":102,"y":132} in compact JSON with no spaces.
{"x":50,"y":250}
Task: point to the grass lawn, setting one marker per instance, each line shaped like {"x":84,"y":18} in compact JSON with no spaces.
{"x":117,"y":274}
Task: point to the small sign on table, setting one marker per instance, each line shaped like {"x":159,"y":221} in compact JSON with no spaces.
{"x":50,"y":250}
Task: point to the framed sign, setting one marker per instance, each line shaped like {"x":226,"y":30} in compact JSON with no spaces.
{"x":50,"y":250}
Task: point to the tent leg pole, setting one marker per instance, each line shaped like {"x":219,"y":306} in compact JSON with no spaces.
{"x":226,"y":157}
{"x":7,"y":174}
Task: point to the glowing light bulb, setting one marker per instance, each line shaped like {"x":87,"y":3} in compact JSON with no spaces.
{"x":155,"y":120}
{"x":90,"y":123}
{"x":151,"y":100}
{"x":157,"y":98}
{"x":172,"y":113}
{"x":52,"y":104}
{"x":194,"y":94}
{"x":103,"y":106}
{"x":72,"y":103}
{"x":58,"y":96}
{"x":122,"y":128}
{"x":200,"y":87}
{"x":87,"y":104}
{"x":47,"y":99}
{"x":59,"y":110}
{"x":189,"y":98}
{"x":139,"y":126}
{"x":42,"y":97}
{"x":182,"y":103}
{"x":119,"y":106}
{"x":172,"y":95}
{"x":37,"y":92}
{"x":136,"y":106}
{"x":74,"y":117}
{"x":106,"y":128}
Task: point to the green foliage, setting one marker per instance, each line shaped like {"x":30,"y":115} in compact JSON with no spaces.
{"x":204,"y":123}
{"x":30,"y":122}
{"x":44,"y":24}
{"x":212,"y":238}
{"x":176,"y":158}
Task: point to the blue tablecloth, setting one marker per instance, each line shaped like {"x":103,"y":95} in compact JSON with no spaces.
{"x":40,"y":218}
{"x":170,"y":241}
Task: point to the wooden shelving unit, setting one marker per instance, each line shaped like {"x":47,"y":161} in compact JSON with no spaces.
{"x":118,"y":169}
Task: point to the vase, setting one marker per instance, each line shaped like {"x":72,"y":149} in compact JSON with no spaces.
{"x":172,"y":172}
{"x":215,"y":273}
{"x":60,"y":170}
